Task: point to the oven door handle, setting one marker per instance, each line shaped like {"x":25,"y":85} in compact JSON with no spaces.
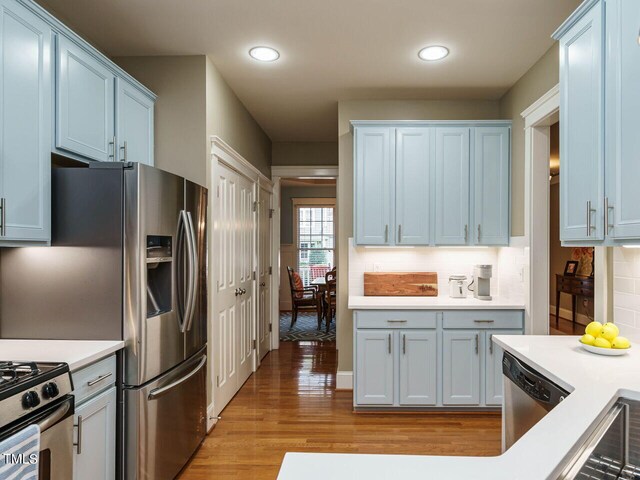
{"x":55,"y":417}
{"x":159,"y":391}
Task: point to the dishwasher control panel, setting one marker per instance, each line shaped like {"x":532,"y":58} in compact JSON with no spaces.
{"x":531,"y":382}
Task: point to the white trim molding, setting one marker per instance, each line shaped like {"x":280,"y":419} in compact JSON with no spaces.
{"x":344,"y":380}
{"x":541,"y":108}
{"x":234,"y":160}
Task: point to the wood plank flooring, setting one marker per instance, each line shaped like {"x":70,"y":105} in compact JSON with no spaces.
{"x":564,"y":327}
{"x":290,"y":405}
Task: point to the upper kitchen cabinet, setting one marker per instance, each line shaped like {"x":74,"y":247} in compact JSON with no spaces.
{"x":85,"y":106}
{"x":452,"y":186}
{"x":581,"y":127}
{"x":622,"y":142}
{"x":491,"y":188}
{"x":412,"y":186}
{"x":26,"y":126}
{"x":134,"y":123}
{"x":432,"y":183}
{"x":373,"y":183}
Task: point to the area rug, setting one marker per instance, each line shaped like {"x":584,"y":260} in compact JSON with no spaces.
{"x":305,"y":329}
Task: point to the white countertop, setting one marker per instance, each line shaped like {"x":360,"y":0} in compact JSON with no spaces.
{"x":77,"y":353}
{"x":441,"y":302}
{"x":595,"y":382}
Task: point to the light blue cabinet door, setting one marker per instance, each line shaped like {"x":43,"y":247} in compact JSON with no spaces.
{"x":25,"y":125}
{"x":622,"y":121}
{"x":491,"y":162}
{"x":418,"y":367}
{"x":461,"y":367}
{"x":493,"y":367}
{"x":374,"y":367}
{"x":581,"y":129}
{"x":85,"y":103}
{"x":134,"y":124}
{"x":94,"y":456}
{"x":373,"y":179}
{"x":412,"y":190}
{"x":452,"y":186}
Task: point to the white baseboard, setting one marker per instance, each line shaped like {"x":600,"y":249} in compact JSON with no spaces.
{"x":344,"y":381}
{"x":566,"y":314}
{"x":211,"y":418}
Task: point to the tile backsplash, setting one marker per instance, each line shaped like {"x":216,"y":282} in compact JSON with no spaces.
{"x":508,"y":264}
{"x":626,"y":287}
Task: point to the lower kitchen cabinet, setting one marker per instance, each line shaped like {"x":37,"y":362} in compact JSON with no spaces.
{"x":461,"y":367}
{"x":375,"y":367}
{"x":95,"y":446}
{"x":418,"y":367}
{"x":413,"y":359}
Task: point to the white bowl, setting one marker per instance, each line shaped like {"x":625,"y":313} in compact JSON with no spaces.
{"x":612,"y":352}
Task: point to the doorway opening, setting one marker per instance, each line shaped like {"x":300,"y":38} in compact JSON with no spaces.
{"x":308,"y":241}
{"x":571,"y":281}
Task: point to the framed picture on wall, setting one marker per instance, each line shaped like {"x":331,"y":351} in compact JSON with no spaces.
{"x":571,"y":268}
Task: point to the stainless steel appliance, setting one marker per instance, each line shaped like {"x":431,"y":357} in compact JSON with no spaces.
{"x":128,"y":261}
{"x":612,"y":450}
{"x":528,"y":397}
{"x":482,"y":279}
{"x":40,"y":393}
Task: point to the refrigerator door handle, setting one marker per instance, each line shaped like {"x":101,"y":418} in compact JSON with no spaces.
{"x":184,"y":232}
{"x":155,"y":393}
{"x":193,"y":281}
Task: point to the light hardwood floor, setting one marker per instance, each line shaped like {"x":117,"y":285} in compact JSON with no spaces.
{"x":290,"y":405}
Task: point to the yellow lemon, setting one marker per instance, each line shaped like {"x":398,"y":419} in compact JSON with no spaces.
{"x":602,"y":343}
{"x":620,"y":342}
{"x":588,"y":339}
{"x":614,"y":326}
{"x":609,"y":332}
{"x":594,"y":329}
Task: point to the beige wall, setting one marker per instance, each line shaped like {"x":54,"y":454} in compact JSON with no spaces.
{"x":379,"y":110}
{"x":179,"y":113}
{"x":229,"y":119}
{"x":305,"y":153}
{"x":538,"y":80}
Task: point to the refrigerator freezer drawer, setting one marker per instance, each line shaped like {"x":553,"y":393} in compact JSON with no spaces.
{"x":166,"y":421}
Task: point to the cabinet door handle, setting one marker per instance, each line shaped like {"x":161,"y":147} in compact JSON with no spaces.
{"x":491,"y":343}
{"x":478,"y":233}
{"x":78,"y":443}
{"x":124,"y":151}
{"x":607,"y":226}
{"x":399,"y":233}
{"x":389,"y":343}
{"x":404,"y":344}
{"x":589,"y":212}
{"x":112,"y":144}
{"x":477,"y":342}
{"x":466,"y":233}
{"x":3,"y":217}
{"x":99,"y":379}
{"x":386,"y":234}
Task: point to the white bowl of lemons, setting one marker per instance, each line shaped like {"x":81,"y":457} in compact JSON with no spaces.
{"x":604,"y":339}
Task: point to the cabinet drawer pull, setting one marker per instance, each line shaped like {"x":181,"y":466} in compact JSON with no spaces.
{"x":78,"y":444}
{"x":396,"y":321}
{"x":484,"y":321}
{"x":91,"y":383}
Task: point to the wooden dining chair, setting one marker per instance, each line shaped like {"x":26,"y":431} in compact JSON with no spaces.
{"x":303,"y":298}
{"x":330,"y":297}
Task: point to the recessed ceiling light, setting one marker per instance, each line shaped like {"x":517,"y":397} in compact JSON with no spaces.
{"x":264,"y":54}
{"x":434,"y":52}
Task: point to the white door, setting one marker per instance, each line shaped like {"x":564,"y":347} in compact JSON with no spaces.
{"x":264,"y":276}
{"x":245,"y":225}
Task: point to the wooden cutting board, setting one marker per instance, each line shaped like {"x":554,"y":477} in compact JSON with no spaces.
{"x":401,"y":284}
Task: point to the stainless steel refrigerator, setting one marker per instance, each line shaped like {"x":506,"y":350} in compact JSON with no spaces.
{"x":128,"y":261}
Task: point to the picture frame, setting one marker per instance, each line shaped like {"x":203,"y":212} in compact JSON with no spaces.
{"x":571,"y":268}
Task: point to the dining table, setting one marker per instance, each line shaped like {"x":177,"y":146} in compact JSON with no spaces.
{"x":321,"y":284}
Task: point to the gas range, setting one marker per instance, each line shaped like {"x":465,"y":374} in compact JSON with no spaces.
{"x":27,"y":387}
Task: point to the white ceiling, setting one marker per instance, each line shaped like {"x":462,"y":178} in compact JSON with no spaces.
{"x":331,"y":49}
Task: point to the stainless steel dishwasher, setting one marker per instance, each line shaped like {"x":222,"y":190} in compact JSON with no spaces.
{"x":528,"y":396}
{"x":612,"y":450}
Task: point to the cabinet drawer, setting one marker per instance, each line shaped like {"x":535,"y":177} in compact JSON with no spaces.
{"x":483,"y":319}
{"x":94,"y":378}
{"x":395,"y":319}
